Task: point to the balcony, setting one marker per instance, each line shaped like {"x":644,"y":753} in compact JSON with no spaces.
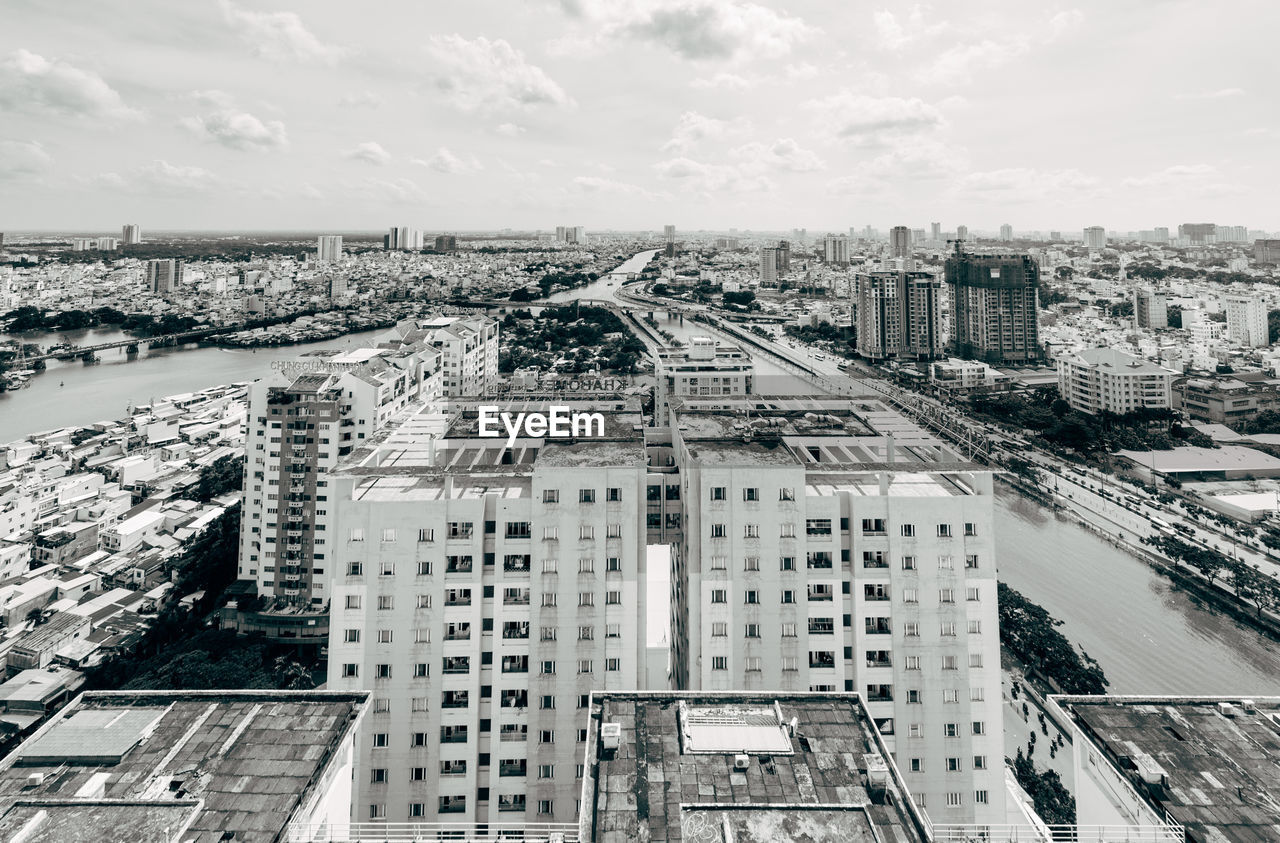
{"x":877,"y":626}
{"x":822,"y":659}
{"x":455,"y":699}
{"x":512,"y":768}
{"x":874,"y":560}
{"x":819,"y":561}
{"x":457,"y":664}
{"x":820,"y":595}
{"x":516,"y":564}
{"x":520,"y":598}
{"x":515,"y":631}
{"x":879,"y":659}
{"x":459,"y":565}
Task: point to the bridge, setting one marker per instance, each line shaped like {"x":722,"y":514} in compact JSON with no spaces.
{"x":89,"y":353}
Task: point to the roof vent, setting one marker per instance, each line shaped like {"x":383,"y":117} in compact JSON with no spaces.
{"x":1227,"y":709}
{"x":1249,"y":706}
{"x":35,"y":779}
{"x":741,"y":761}
{"x":611,"y":736}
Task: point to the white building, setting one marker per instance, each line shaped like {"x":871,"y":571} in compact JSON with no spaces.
{"x":768,"y":265}
{"x":329,"y":248}
{"x":302,"y":420}
{"x":1095,"y":237}
{"x":482,"y":592}
{"x":835,"y":249}
{"x":1247,"y":320}
{"x":704,"y":368}
{"x":130,"y":235}
{"x":1098,"y":380}
{"x":469,"y":349}
{"x":164,"y":275}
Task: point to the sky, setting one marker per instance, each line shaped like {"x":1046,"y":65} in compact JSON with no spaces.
{"x":632,"y":114}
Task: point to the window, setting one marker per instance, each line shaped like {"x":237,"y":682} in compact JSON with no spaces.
{"x":377,"y":811}
{"x":548,"y":633}
{"x":424,"y":569}
{"x":350,"y":670}
{"x":550,"y":534}
{"x":789,"y":630}
{"x":975,"y":660}
{"x":426,"y":535}
{"x":788,"y":595}
{"x":915,"y":730}
{"x":979,"y":727}
{"x":613,"y":598}
{"x":946,"y":595}
{"x":908,"y":563}
{"x":549,"y":566}
{"x":787,"y":563}
{"x":378,"y":775}
{"x":912,"y":662}
{"x":908,"y":531}
{"x":752,"y":630}
{"x":945,"y":563}
{"x":948,"y":662}
{"x":970,"y":528}
{"x":718,"y":531}
{"x":613,"y":494}
{"x":910,"y":595}
{"x":613,"y":564}
{"x":980,"y":763}
{"x":586,"y":565}
{"x":546,"y":771}
{"x":386,"y":602}
{"x":551,"y":496}
{"x":719,"y":662}
{"x":751,"y":493}
{"x":586,"y":532}
{"x":954,"y":799}
{"x":753,"y":664}
{"x":953,"y":765}
{"x":977,"y":694}
{"x":719,"y":493}
{"x":719,"y":595}
{"x":719,"y":563}
{"x":351,"y":636}
{"x":751,"y":531}
{"x":357,"y":534}
{"x":916,"y":765}
{"x":546,"y":807}
{"x":911,"y":629}
{"x":786,"y":493}
{"x":751,"y":563}
{"x":817,"y":526}
{"x":548,"y":702}
{"x":972,"y":594}
{"x":613,"y":630}
{"x":586,"y":496}
{"x":612,"y":664}
{"x":788,"y":530}
{"x":980,"y":796}
{"x":790,"y":663}
{"x":752,"y":597}
{"x":386,"y":568}
{"x":388,"y":535}
{"x":613,"y":531}
{"x":950,"y":730}
{"x":380,"y":740}
{"x":384,"y":636}
{"x":975,"y":627}
{"x":873,"y":526}
{"x":948,"y":628}
{"x":586,"y":598}
{"x":719,"y":629}
{"x":944,"y":531}
{"x":355,"y":569}
{"x":913,"y":698}
{"x":950,"y":695}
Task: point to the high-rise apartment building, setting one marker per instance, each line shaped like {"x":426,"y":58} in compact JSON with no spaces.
{"x":669,"y":233}
{"x":1006,"y":232}
{"x":899,"y":315}
{"x":446,"y":243}
{"x":329,"y":248}
{"x":301,"y":421}
{"x":835,"y":249}
{"x":1095,"y":237}
{"x":1103,"y":380}
{"x":1232,"y":234}
{"x":784,"y":257}
{"x":769,"y":265}
{"x":704,"y":368}
{"x":130,"y":235}
{"x":482,"y":598}
{"x":571,"y":234}
{"x":1198,"y":233}
{"x":1266,"y":251}
{"x":164,"y":275}
{"x":993,"y":307}
{"x":801,"y":570}
{"x":1247,"y":320}
{"x":962,"y":232}
{"x":403,"y":238}
{"x":83,"y":244}
{"x":1150,"y":308}
{"x":900,"y":245}
{"x":469,"y":345}
{"x":935,"y":232}
{"x":107,"y":244}
{"x":483,"y":592}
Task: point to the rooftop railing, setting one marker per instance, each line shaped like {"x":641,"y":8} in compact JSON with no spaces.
{"x":432,"y":832}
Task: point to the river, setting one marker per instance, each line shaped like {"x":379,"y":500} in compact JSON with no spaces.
{"x":1149,"y":636}
{"x":72,"y":393}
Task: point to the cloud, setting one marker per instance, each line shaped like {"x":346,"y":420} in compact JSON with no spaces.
{"x":956,"y":64}
{"x":444,"y":161}
{"x":711,"y":178}
{"x":782,"y":154}
{"x":875,"y":121}
{"x":915,"y":160}
{"x":1023,"y":185}
{"x":238,"y":130}
{"x":279,"y":36}
{"x":1203,"y":180}
{"x":1220,"y":94}
{"x":32,"y":83}
{"x":596,"y":184}
{"x":694,"y":128}
{"x":23,"y":160}
{"x":728,"y":81}
{"x":491,"y":75}
{"x":362,"y":99}
{"x":162,"y":177}
{"x":369,"y":152}
{"x":894,"y":34}
{"x":694,"y":29}
{"x":511,"y":130}
{"x":396,"y":191}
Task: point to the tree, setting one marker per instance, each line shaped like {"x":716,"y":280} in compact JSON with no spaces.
{"x":1053,"y":802}
{"x":1030,"y":633}
{"x":220,"y":477}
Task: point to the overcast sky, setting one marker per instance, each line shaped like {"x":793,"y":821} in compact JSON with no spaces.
{"x":635,"y":113}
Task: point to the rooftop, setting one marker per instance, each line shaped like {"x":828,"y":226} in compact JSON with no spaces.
{"x":815,"y":770}
{"x":142,"y":765}
{"x":1216,"y":769}
{"x":1117,"y":361}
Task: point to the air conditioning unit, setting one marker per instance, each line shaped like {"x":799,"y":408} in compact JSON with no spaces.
{"x":1249,"y":706}
{"x":35,"y":779}
{"x":741,"y":761}
{"x":611,"y":736}
{"x":1227,"y":709}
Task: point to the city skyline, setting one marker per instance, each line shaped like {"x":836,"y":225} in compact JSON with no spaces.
{"x":611,"y":113}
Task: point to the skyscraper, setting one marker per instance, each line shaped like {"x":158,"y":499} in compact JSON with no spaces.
{"x":962,"y":232}
{"x":899,"y":315}
{"x":768,"y":265}
{"x":1095,"y":237}
{"x":669,"y":233}
{"x":1150,"y":309}
{"x":784,"y":257}
{"x":164,"y":275}
{"x":1006,"y":232}
{"x":1198,"y":233}
{"x":935,"y":231}
{"x":993,"y":307}
{"x":130,"y":235}
{"x":329,"y":248}
{"x":1247,"y":320}
{"x":835,"y":249}
{"x":900,"y":245}
{"x":446,"y":243}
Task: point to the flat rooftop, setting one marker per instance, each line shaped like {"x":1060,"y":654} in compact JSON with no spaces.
{"x":142,"y":766}
{"x":673,"y":776}
{"x":1222,"y":769}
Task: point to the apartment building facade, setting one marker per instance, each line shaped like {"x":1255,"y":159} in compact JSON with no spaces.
{"x":994,"y":303}
{"x":704,"y":368}
{"x":301,"y":421}
{"x":1102,"y":380}
{"x":899,"y":315}
{"x":468,"y":346}
{"x":482,"y":600}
